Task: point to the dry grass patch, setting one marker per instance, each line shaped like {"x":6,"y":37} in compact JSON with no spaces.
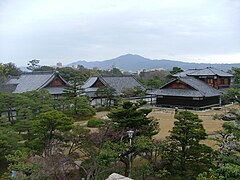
{"x":165,"y":117}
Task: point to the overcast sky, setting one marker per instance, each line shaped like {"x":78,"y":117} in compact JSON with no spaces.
{"x":70,"y":30}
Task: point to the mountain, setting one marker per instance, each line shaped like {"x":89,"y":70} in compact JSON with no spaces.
{"x":130,"y":62}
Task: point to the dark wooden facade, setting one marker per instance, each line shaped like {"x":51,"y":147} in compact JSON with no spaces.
{"x":57,"y":82}
{"x":178,"y":85}
{"x":98,"y":83}
{"x":187,"y":102}
{"x":216,"y":81}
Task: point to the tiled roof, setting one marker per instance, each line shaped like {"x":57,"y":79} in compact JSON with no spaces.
{"x":209,"y":71}
{"x":200,"y":89}
{"x":200,"y":86}
{"x":185,"y":73}
{"x":121,"y":82}
{"x":32,"y":81}
{"x":116,"y":82}
{"x":178,"y":92}
{"x":89,"y":82}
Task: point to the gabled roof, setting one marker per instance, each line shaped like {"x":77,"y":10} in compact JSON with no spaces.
{"x":116,"y":82}
{"x":209,"y":71}
{"x":32,"y":81}
{"x":199,"y":89}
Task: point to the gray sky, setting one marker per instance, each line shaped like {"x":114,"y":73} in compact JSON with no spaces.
{"x":70,"y":30}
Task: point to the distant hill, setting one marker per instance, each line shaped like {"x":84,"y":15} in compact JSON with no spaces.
{"x":130,"y":62}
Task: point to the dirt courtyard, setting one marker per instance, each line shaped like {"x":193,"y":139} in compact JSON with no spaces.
{"x":165,"y":117}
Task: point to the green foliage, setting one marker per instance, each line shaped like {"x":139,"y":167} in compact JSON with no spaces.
{"x":74,"y":87}
{"x":78,"y":139}
{"x":186,"y":155}
{"x":9,"y":103}
{"x":133,"y":92}
{"x":44,"y":68}
{"x":9,"y":69}
{"x":24,"y":120}
{"x":96,"y":122}
{"x":141,"y":102}
{"x":19,"y":162}
{"x":33,"y":64}
{"x":236,"y":73}
{"x":48,"y":127}
{"x":115,"y":71}
{"x":176,"y":70}
{"x":211,"y":175}
{"x":110,"y":153}
{"x":153,"y":79}
{"x":79,"y":74}
{"x":72,"y":107}
{"x":80,"y":106}
{"x":229,"y":171}
{"x":233,"y":94}
{"x":106,"y":93}
{"x":9,"y":141}
{"x":130,"y":117}
{"x":155,"y":83}
{"x":143,"y":170}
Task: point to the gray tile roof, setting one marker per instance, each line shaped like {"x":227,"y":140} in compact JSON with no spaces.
{"x":185,"y":73}
{"x":121,"y":82}
{"x":200,"y":89}
{"x":89,"y":82}
{"x":116,"y":82}
{"x":32,"y":81}
{"x":178,"y":92}
{"x":209,"y":71}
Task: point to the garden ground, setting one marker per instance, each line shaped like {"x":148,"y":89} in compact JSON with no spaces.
{"x":165,"y":117}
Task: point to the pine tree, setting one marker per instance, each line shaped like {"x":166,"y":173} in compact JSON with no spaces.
{"x":185,"y":154}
